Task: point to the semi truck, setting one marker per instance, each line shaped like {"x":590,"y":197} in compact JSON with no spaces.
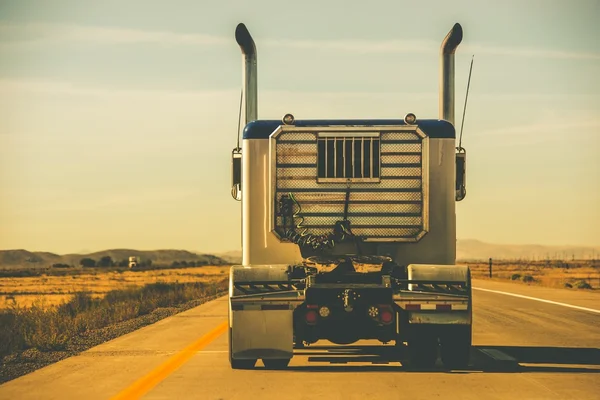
{"x":349,"y":232}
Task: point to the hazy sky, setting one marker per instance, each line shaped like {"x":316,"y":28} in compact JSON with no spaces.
{"x":117,"y":118}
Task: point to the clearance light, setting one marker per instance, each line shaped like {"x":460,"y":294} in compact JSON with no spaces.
{"x":410,"y":119}
{"x":324,"y":312}
{"x":288,"y":119}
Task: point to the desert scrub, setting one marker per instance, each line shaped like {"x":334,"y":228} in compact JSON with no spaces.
{"x":583,"y":285}
{"x":53,"y":328}
{"x":528,"y":278}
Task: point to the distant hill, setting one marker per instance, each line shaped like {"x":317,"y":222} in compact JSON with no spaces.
{"x":470,"y":249}
{"x":233,"y":257}
{"x":467,"y":249}
{"x":39,"y":259}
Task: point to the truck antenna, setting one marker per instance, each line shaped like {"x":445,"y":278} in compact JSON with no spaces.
{"x":465,"y":108}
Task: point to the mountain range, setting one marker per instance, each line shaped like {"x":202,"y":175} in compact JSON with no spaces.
{"x":466,"y":250}
{"x":40,"y":259}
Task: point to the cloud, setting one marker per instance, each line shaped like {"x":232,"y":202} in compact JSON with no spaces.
{"x":57,"y":202}
{"x":528,"y":52}
{"x":571,"y":125}
{"x":18,"y":35}
{"x":579,"y":127}
{"x":39,"y":33}
{"x":64,"y":87}
{"x":44,"y":86}
{"x":416,"y":46}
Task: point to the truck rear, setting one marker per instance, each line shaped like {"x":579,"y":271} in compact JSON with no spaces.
{"x":348,"y":233}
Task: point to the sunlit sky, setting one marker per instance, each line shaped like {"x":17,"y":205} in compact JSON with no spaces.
{"x":117,"y":118}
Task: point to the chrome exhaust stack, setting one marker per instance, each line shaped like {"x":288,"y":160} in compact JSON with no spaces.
{"x":447,"y":102}
{"x":447,"y":73}
{"x":246,"y":43}
{"x":250,"y":100}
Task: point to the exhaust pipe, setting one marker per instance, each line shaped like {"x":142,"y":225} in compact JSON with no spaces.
{"x":246,"y":43}
{"x":449,"y":45}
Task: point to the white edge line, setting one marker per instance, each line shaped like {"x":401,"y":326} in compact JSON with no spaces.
{"x":542,"y":300}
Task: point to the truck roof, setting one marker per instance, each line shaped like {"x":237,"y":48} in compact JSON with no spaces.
{"x":434,"y":128}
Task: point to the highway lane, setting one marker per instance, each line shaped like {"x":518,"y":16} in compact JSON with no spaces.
{"x":558,"y":350}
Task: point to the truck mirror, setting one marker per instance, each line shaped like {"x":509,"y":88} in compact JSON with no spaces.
{"x":461,"y":174}
{"x":236,"y":174}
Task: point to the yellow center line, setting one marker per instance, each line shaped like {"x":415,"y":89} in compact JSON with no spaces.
{"x":157,"y":375}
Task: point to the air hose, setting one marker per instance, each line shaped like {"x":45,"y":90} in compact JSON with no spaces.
{"x":298,"y":233}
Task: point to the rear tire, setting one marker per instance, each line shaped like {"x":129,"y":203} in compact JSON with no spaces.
{"x":239,"y":363}
{"x":276,"y":363}
{"x":298,"y":344}
{"x":456,"y":348}
{"x":242,"y":363}
{"x":423,"y":351}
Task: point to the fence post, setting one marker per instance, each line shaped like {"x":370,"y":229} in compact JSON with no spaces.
{"x":490,"y":267}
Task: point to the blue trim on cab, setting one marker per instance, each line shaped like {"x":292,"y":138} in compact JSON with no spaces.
{"x":434,"y":128}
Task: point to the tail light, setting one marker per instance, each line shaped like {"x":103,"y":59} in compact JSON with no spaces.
{"x":386,"y":314}
{"x":311,"y":317}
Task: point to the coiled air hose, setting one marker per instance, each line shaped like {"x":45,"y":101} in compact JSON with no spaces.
{"x":298,"y":233}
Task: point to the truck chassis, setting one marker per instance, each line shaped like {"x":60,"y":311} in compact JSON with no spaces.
{"x":287,"y":307}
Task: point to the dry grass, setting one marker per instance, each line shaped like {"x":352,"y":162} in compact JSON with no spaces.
{"x":53,"y":328}
{"x":583,"y":274}
{"x":51,"y":290}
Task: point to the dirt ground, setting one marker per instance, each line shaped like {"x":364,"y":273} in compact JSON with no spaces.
{"x":574,"y":275}
{"x":50,"y":290}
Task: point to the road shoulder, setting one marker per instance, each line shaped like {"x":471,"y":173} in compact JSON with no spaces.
{"x":575,"y":297}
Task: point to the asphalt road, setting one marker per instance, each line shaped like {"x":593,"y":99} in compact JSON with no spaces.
{"x":524,"y":349}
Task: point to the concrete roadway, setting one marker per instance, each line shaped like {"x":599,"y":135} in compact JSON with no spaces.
{"x":524,"y":349}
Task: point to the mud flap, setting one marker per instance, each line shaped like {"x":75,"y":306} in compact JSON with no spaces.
{"x":441,"y":273}
{"x":258,"y":331}
{"x":262,"y":334}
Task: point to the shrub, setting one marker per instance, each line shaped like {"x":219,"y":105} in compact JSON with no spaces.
{"x":87,"y":262}
{"x":528,"y":278}
{"x":568,"y":285}
{"x":105,"y":262}
{"x":583,"y":285}
{"x":53,"y":328}
{"x":515,"y":277}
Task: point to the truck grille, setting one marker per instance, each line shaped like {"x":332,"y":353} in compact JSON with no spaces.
{"x":348,"y":158}
{"x":382,"y":167}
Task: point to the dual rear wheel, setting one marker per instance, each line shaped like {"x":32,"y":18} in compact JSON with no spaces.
{"x":453,"y":345}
